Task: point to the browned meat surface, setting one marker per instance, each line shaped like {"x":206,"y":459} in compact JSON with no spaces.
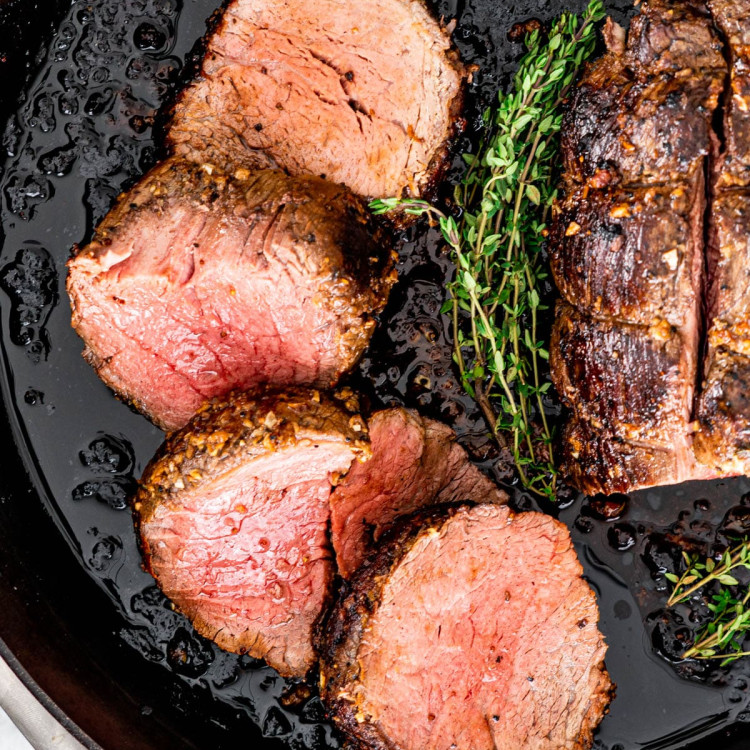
{"x":731,"y":17}
{"x":642,"y":113}
{"x":628,"y":249}
{"x":595,"y":459}
{"x":631,"y":380}
{"x":415,"y":463}
{"x":233,"y":514}
{"x":196,"y":284}
{"x":365,"y":94}
{"x":630,"y":389}
{"x":631,"y":254}
{"x":723,"y":441}
{"x":472,"y":629}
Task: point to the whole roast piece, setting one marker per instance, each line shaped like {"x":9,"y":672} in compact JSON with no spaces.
{"x":651,"y":346}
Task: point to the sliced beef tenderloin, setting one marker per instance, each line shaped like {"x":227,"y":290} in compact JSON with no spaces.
{"x":642,"y":112}
{"x":631,"y":389}
{"x":628,"y":248}
{"x":731,"y":16}
{"x":632,"y":254}
{"x":364,"y":94}
{"x":415,"y":463}
{"x":723,"y":440}
{"x":233,"y":512}
{"x":197,"y":283}
{"x":473,"y":629}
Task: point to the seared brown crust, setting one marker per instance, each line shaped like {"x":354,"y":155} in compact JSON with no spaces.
{"x":626,"y":253}
{"x":357,"y":604}
{"x":622,"y":130}
{"x":358,"y":601}
{"x":228,"y":432}
{"x":643,"y":114}
{"x":626,"y":380}
{"x":595,"y":460}
{"x":731,"y":17}
{"x":723,"y":441}
{"x":321,"y":227}
{"x":628,"y":249}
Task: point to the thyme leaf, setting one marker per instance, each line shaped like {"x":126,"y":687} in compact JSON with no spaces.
{"x":722,"y":637}
{"x":503,"y":201}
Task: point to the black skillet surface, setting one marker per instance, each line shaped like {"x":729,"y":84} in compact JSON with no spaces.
{"x":80,"y":620}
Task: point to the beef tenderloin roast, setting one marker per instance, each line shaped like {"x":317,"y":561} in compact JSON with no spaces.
{"x":629,"y":250}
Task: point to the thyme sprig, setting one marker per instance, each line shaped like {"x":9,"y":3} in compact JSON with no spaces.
{"x":502,"y":205}
{"x":722,"y":637}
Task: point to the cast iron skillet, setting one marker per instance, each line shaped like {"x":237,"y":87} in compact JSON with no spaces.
{"x":80,"y":622}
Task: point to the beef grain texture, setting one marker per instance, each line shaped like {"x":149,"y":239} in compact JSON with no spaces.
{"x":415,"y":462}
{"x":232,"y":514}
{"x":472,"y":629}
{"x":364,"y":94}
{"x":197,"y":283}
{"x":723,"y":440}
{"x":628,"y":249}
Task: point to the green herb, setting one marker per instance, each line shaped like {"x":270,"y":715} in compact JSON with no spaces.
{"x":503,"y":201}
{"x":722,"y":637}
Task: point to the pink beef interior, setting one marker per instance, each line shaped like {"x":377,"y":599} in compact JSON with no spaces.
{"x":415,"y":462}
{"x":362,"y":93}
{"x":247,"y":559}
{"x":470,"y":649}
{"x":187,"y":309}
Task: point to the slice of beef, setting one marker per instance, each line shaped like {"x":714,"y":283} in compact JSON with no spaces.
{"x":629,"y":385}
{"x":632,"y":254}
{"x":473,"y":629}
{"x":415,"y":463}
{"x":364,"y":94}
{"x":642,"y":112}
{"x":731,"y":16}
{"x":197,"y":283}
{"x":233,"y":513}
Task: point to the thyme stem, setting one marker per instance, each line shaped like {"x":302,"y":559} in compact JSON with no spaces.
{"x":503,"y":198}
